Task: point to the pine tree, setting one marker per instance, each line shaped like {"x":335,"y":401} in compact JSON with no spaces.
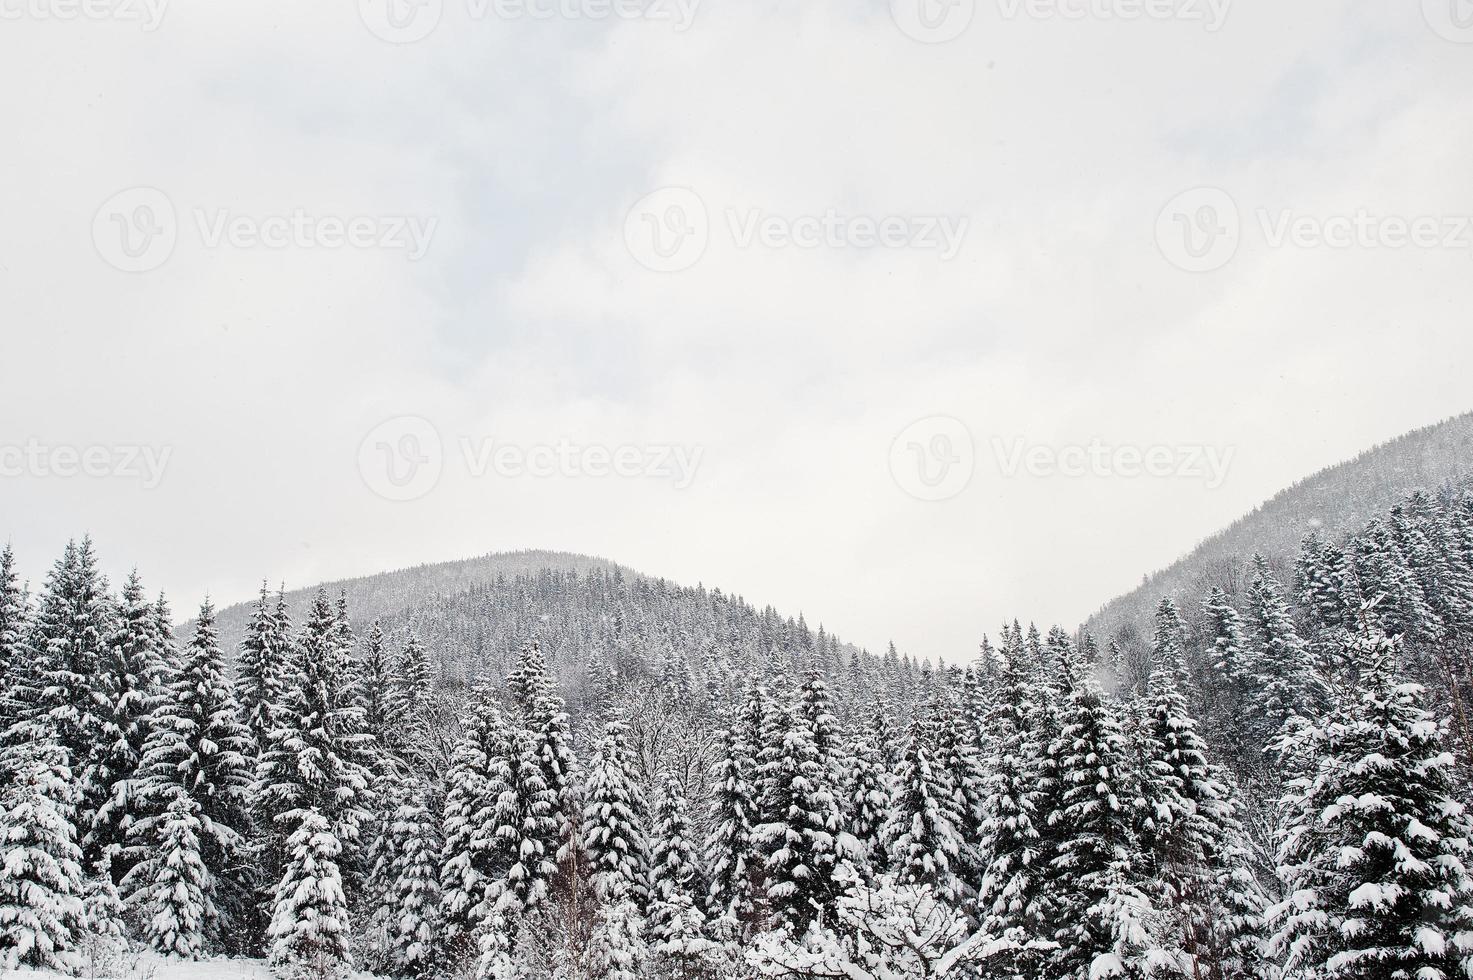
{"x":1375,"y":846}
{"x":1192,"y":841}
{"x":406,"y":880}
{"x":958,"y":758}
{"x":198,"y":748}
{"x":1287,"y":681}
{"x":471,"y":859}
{"x":171,"y":889}
{"x":17,"y":691}
{"x":730,"y":854}
{"x":523,"y":826}
{"x":1094,"y":871}
{"x":1013,"y":848}
{"x":41,"y":914}
{"x":924,"y":843}
{"x":310,"y":928}
{"x":799,"y":837}
{"x":377,"y":690}
{"x":674,"y":876}
{"x":616,"y":947}
{"x":71,"y":630}
{"x":315,"y":758}
{"x":132,"y":675}
{"x":263,"y":666}
{"x":1231,"y":665}
{"x":546,"y":721}
{"x":614,"y":821}
{"x":868,"y":801}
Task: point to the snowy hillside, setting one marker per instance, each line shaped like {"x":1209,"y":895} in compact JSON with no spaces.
{"x":1335,"y":501}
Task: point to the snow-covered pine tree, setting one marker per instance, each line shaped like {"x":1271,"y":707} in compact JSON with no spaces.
{"x":921,"y":830}
{"x":71,"y":628}
{"x":614,"y":826}
{"x":314,"y":760}
{"x":1287,"y":683}
{"x":1232,"y":675}
{"x":1375,"y":843}
{"x":546,"y":721}
{"x":198,"y":747}
{"x":377,"y":690}
{"x":867,"y":799}
{"x":1193,"y":847}
{"x":616,"y":947}
{"x":730,"y":855}
{"x":16,"y":660}
{"x":958,"y":756}
{"x":471,"y":858}
{"x":799,"y":837}
{"x":1013,"y":849}
{"x":171,"y":890}
{"x":523,"y":825}
{"x":1095,"y":872}
{"x":132,"y":673}
{"x":310,"y":927}
{"x":414,"y":680}
{"x":406,"y":880}
{"x":262,"y":665}
{"x":674,"y":875}
{"x":41,"y":914}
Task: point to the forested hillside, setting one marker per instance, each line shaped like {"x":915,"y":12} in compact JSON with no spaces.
{"x":1333,"y":502}
{"x":578,"y":773}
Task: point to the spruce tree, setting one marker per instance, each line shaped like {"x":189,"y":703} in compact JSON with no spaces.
{"x":1095,"y":870}
{"x":615,"y":843}
{"x":470,"y":859}
{"x":263,"y":666}
{"x":674,"y":875}
{"x":133,"y":673}
{"x":867,"y":799}
{"x":924,"y":842}
{"x":41,"y":913}
{"x":171,"y":889}
{"x":1375,"y":847}
{"x":71,"y":628}
{"x":310,"y":929}
{"x":16,"y":659}
{"x":198,"y":748}
{"x":406,"y":880}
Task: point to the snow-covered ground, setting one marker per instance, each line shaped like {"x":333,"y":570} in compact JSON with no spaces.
{"x":151,"y":967}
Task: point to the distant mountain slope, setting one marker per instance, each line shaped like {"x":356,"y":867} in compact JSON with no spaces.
{"x":1336,"y":500}
{"x":386,"y":594}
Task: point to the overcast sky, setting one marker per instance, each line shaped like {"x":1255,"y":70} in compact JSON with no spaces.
{"x":911,"y":318}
